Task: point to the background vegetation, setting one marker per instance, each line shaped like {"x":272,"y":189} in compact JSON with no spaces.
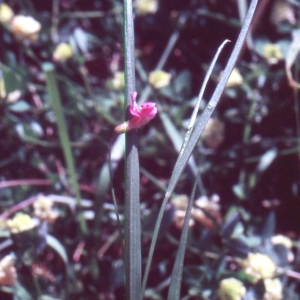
{"x":60,"y":237}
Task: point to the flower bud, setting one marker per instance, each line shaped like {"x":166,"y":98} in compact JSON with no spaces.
{"x":159,"y":79}
{"x":141,"y":115}
{"x":6,"y":13}
{"x":117,"y":83}
{"x":25,"y":28}
{"x":147,"y":6}
{"x":62,"y":52}
{"x":43,"y":209}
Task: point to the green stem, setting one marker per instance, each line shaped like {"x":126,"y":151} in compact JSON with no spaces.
{"x":133,"y":262}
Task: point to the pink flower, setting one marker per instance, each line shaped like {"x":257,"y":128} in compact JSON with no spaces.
{"x":141,"y":115}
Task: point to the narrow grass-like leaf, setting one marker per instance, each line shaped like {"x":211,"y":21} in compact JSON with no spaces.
{"x":56,"y":245}
{"x":133,"y":259}
{"x":207,"y":76}
{"x":171,"y":129}
{"x":175,"y":284}
{"x":181,"y":163}
{"x":48,"y":69}
{"x":175,"y":137}
{"x":102,"y":189}
{"x":59,"y":248}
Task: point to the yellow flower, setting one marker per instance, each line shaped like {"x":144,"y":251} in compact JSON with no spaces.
{"x":6,"y":13}
{"x":62,"y":52}
{"x":117,"y":83}
{"x":259,"y":266}
{"x":159,"y":79}
{"x":147,"y":6}
{"x":213,"y":134}
{"x":272,"y":53}
{"x":273,"y":289}
{"x":235,"y":78}
{"x":25,"y":28}
{"x":8,"y":274}
{"x":21,"y":222}
{"x":43,"y":209}
{"x":231,"y":289}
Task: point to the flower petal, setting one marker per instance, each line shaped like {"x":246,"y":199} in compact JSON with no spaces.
{"x":134,"y":110}
{"x":141,"y":115}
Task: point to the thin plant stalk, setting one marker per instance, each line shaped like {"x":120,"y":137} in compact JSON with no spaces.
{"x":133,"y":260}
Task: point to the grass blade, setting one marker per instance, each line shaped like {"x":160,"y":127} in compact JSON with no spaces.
{"x":48,"y":69}
{"x":175,"y":137}
{"x":181,"y":163}
{"x":175,"y":284}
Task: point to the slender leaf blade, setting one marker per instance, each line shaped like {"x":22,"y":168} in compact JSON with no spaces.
{"x":181,"y":163}
{"x":176,"y":277}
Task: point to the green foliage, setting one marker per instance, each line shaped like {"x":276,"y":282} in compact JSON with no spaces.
{"x":60,"y":237}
